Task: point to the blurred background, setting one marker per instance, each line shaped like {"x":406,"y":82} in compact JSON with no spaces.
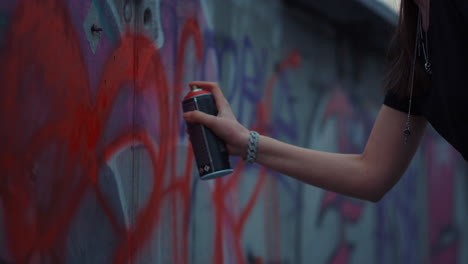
{"x":96,"y":167}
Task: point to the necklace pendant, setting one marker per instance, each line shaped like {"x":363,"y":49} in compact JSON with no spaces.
{"x":428,"y":68}
{"x":406,"y":133}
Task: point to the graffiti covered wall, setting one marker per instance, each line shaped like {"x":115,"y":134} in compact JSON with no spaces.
{"x":96,"y":166}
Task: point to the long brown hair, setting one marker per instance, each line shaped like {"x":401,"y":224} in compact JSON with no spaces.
{"x":401,"y":54}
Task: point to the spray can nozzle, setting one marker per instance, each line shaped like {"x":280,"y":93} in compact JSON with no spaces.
{"x":195,"y":88}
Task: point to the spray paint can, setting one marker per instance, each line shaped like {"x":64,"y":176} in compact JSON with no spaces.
{"x":210,"y":151}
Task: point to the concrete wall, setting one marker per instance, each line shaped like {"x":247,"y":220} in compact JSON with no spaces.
{"x":95,"y":162}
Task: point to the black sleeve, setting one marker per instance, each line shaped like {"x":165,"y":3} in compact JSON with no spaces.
{"x":402,"y":105}
{"x":462,"y":7}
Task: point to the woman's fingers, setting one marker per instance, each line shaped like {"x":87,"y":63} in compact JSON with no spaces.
{"x":200,"y":117}
{"x":213,"y":87}
{"x":228,"y":129}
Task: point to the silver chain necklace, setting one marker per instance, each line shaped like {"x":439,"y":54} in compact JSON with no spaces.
{"x":421,"y":45}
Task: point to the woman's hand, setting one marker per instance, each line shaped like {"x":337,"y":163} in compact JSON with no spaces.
{"x":225,"y":125}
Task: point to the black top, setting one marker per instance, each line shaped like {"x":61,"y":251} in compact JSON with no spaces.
{"x":445,"y":102}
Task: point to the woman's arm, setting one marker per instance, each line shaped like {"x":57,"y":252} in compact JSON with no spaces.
{"x":368,"y":175}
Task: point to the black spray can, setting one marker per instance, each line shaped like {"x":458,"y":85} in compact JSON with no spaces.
{"x":210,"y":151}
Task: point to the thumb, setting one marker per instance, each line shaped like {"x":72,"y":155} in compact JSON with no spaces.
{"x":200,"y":117}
